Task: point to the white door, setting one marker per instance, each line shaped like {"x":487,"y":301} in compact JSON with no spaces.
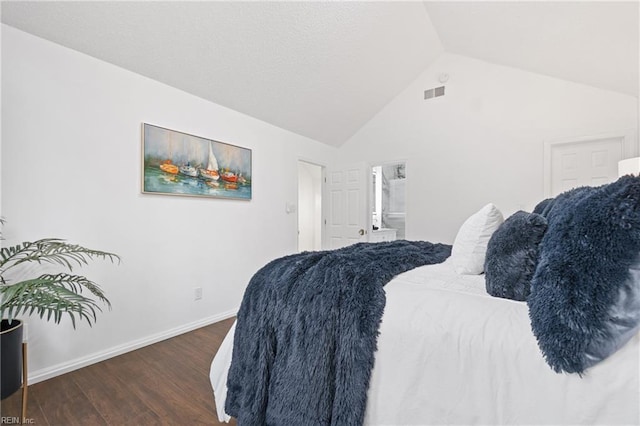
{"x":347,"y":216}
{"x":586,"y":163}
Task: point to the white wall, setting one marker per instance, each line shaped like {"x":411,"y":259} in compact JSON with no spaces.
{"x":71,"y":165}
{"x":483,"y":141}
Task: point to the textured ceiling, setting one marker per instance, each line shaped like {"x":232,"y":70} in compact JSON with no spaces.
{"x":323,"y":69}
{"x":595,"y":43}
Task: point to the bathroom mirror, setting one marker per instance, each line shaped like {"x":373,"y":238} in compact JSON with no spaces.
{"x":388,"y":201}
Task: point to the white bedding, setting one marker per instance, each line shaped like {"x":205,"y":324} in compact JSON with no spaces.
{"x":448,"y":353}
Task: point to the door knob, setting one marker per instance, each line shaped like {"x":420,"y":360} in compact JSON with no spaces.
{"x":361,"y":232}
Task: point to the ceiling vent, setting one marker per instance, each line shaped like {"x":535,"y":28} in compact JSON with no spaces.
{"x":434,"y":93}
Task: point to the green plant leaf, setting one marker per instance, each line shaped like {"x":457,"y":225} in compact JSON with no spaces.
{"x":50,"y":250}
{"x":51,"y":295}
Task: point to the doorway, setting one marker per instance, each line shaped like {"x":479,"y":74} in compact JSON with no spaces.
{"x":388,"y":201}
{"x":309,"y":206}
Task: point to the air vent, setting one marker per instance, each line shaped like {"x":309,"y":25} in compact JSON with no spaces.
{"x":434,"y":93}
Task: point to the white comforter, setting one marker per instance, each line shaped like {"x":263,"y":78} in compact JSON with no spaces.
{"x":448,"y":353}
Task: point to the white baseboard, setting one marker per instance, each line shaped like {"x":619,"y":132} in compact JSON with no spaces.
{"x":66,"y":367}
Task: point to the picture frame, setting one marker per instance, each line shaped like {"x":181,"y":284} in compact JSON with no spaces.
{"x":178,"y":163}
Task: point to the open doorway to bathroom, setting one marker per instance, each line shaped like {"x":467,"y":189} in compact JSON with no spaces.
{"x":388,"y":212}
{"x":309,"y":206}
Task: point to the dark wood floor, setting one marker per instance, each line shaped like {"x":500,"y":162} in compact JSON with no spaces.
{"x":166,"y":383}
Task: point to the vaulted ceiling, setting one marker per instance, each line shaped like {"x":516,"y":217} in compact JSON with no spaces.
{"x":323,"y":69}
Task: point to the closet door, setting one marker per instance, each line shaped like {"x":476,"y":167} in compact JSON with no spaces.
{"x":590,"y":162}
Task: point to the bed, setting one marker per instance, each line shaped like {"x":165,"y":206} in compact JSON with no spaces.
{"x":453,"y":349}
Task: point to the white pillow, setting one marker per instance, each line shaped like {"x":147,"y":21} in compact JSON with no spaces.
{"x":470,"y":246}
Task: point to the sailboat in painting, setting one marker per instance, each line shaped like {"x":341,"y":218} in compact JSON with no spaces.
{"x":167,"y":166}
{"x":211,"y":172}
{"x":188,"y":170}
{"x":229,"y":176}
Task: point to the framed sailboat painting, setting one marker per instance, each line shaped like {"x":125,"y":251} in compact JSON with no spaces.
{"x":177,"y":163}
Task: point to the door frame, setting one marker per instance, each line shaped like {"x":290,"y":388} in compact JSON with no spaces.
{"x":370,"y":166}
{"x":629,"y":146}
{"x":323,"y":185}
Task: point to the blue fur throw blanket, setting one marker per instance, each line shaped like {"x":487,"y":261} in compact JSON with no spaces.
{"x":307,"y":331}
{"x":585,"y":293}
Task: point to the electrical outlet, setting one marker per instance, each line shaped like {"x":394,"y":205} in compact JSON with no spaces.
{"x":197,"y":293}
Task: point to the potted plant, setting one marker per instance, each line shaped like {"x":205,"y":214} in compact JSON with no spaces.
{"x":49,"y":296}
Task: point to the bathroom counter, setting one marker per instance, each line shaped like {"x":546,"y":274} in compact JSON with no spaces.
{"x":382,"y":234}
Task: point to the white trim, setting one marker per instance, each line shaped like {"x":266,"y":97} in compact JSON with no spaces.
{"x":629,"y":144}
{"x":75,"y":364}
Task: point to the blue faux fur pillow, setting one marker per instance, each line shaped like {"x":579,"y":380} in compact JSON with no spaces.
{"x":585,"y":293}
{"x":512,"y":255}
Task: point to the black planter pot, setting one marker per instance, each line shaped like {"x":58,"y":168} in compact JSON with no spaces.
{"x":10,"y":357}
